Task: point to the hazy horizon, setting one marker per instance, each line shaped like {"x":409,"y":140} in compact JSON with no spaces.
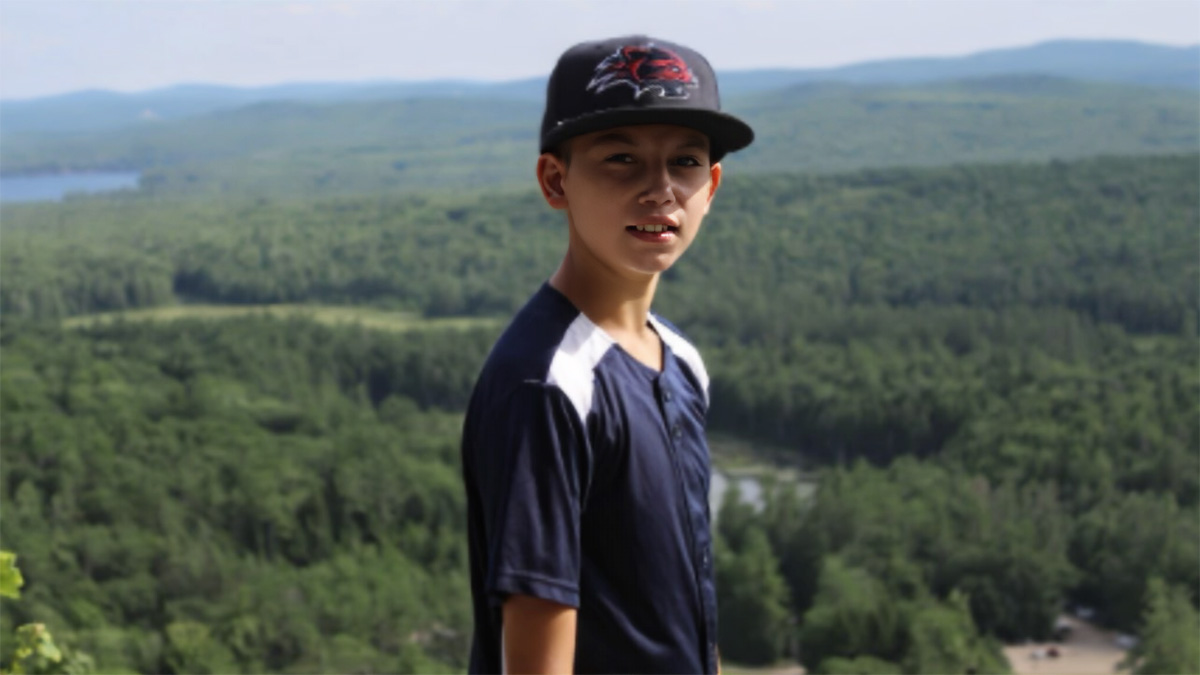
{"x":51,"y":47}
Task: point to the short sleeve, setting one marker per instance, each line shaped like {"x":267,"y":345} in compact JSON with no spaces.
{"x":534,"y":466}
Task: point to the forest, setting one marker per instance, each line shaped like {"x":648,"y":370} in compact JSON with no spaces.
{"x":990,"y":369}
{"x":1109,"y":239}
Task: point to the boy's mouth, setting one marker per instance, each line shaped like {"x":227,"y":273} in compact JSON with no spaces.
{"x":655,"y":233}
{"x":652,"y":228}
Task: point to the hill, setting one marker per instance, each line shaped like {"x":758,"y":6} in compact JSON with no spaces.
{"x":1124,"y":62}
{"x":95,"y":110}
{"x":292,"y":148}
{"x":835,"y":127}
{"x":1097,"y":60}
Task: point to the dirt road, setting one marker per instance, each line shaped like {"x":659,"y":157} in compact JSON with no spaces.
{"x":1087,"y":651}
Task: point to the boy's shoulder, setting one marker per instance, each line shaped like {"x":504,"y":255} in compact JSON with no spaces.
{"x":550,"y":346}
{"x":526,"y":348}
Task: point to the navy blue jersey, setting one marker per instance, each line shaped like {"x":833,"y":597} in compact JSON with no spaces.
{"x":587,"y":478}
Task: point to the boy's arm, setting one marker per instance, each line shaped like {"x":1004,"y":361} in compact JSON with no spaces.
{"x":539,"y":636}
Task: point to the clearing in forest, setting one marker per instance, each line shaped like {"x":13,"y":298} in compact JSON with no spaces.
{"x":367,"y":317}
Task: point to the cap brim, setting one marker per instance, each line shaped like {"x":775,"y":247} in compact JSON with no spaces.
{"x":726,"y":132}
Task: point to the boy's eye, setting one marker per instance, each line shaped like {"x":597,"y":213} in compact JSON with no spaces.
{"x":627,"y":158}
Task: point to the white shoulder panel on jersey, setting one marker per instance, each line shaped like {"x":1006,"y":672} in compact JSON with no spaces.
{"x":684,"y":350}
{"x":571,"y":370}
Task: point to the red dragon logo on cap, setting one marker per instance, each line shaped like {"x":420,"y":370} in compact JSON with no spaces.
{"x":645,"y":68}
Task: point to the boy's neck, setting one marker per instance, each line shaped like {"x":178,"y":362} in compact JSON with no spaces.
{"x":618,"y":305}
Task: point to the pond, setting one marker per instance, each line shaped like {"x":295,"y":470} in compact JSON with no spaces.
{"x":749,"y":488}
{"x":53,"y":187}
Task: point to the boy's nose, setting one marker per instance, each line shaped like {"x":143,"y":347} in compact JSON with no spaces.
{"x":659,"y":189}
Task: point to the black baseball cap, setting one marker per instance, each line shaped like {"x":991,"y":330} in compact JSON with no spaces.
{"x":637,"y":80}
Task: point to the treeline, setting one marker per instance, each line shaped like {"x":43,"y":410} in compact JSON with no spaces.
{"x":1035,"y":395}
{"x":985,"y":471}
{"x":922,"y":568}
{"x":248,"y":496}
{"x":1111,"y":239}
{"x":275,"y":495}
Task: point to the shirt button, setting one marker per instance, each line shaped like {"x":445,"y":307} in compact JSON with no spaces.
{"x":677,"y":432}
{"x":667,"y":395}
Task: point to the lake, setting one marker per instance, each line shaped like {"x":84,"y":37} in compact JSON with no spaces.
{"x":52,"y":187}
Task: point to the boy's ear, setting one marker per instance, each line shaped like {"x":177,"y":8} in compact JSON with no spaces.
{"x":714,"y":173}
{"x":550,"y":172}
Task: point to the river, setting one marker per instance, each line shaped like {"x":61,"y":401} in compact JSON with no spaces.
{"x":749,"y":488}
{"x":750,"y":485}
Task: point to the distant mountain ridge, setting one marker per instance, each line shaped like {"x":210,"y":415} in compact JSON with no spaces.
{"x":289,"y":147}
{"x":1125,"y":62}
{"x":1094,"y":60}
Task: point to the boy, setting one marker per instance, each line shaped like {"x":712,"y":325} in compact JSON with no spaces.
{"x":584,"y":454}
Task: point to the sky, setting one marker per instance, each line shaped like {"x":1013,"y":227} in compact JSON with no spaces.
{"x":57,"y":46}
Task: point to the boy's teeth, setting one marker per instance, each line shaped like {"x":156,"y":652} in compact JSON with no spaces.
{"x":652,"y":228}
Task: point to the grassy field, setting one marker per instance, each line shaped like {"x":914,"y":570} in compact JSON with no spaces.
{"x":367,"y":317}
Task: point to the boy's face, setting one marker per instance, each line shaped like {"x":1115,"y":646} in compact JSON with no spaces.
{"x":654,"y":177}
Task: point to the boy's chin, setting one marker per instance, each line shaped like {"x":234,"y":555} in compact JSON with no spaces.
{"x":650,"y":269}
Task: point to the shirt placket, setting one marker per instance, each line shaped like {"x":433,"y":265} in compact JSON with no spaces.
{"x":698,"y":530}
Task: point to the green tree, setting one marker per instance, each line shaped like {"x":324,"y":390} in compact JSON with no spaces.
{"x":942,"y":639}
{"x":11,"y":580}
{"x":191,"y":648}
{"x":34,"y":650}
{"x":753,"y":601}
{"x":1169,"y":640}
{"x":853,"y":615}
